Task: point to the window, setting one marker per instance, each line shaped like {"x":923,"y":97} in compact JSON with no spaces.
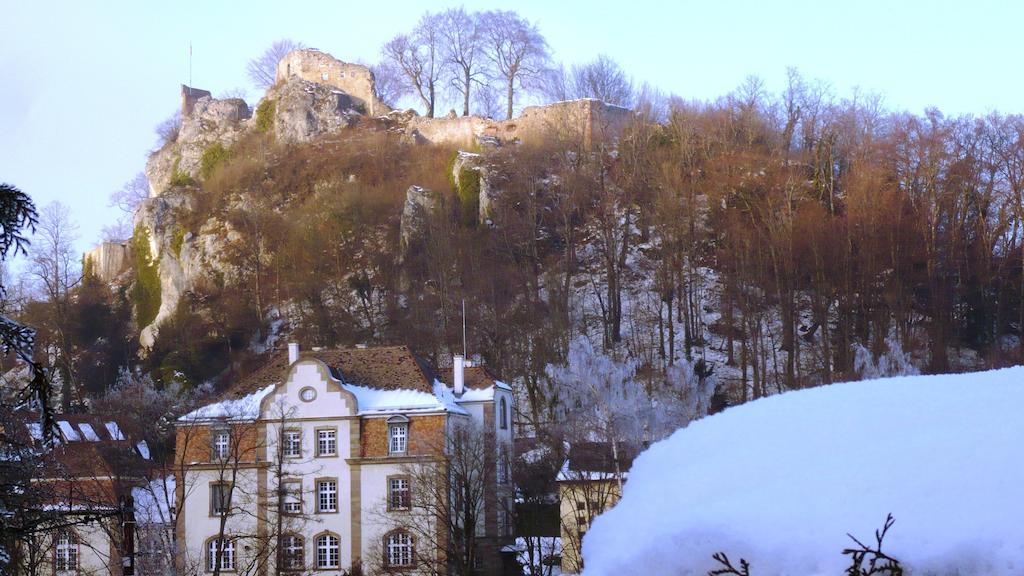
{"x":220,"y":445}
{"x":66,"y":552}
{"x":399,"y":437}
{"x":326,"y":442}
{"x":503,"y":466}
{"x":292,"y":552}
{"x":328,"y":551}
{"x":503,"y":417}
{"x":327,"y":496}
{"x":291,"y":497}
{"x":220,"y":499}
{"x":398,"y":549}
{"x":504,"y":523}
{"x":398,"y":493}
{"x":291,"y":443}
{"x":227,"y":554}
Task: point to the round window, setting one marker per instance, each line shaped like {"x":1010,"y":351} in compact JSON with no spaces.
{"x":307,"y":394}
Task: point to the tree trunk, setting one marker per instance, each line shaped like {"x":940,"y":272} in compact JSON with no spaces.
{"x":509,"y":92}
{"x":465,"y":97}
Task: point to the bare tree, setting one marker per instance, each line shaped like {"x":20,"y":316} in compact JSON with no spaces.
{"x":554,"y":84}
{"x":167,"y":131}
{"x":516,"y":50}
{"x":263,"y":69}
{"x":388,"y":82}
{"x":604,"y":79}
{"x":448,"y":497}
{"x":129,"y":196}
{"x":463,"y":45}
{"x":55,"y":265}
{"x":419,"y":57}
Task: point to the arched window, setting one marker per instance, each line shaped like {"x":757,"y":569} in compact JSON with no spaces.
{"x":398,"y":549}
{"x":292,"y":555}
{"x":66,"y":551}
{"x":503,"y":418}
{"x":226,"y":548}
{"x":328,"y":551}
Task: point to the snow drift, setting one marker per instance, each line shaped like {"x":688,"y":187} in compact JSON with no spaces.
{"x":781,"y":481}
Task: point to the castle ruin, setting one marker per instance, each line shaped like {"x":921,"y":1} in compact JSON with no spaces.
{"x":319,"y":67}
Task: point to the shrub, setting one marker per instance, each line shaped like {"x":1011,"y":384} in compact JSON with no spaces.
{"x":265,"y":116}
{"x":179,"y":178}
{"x":146,"y":289}
{"x":214,"y":155}
{"x":469,"y":196}
{"x":177,"y":239}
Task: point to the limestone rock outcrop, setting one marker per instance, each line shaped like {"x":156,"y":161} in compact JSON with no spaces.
{"x":304,"y":110}
{"x":420,"y":204}
{"x":205,"y":121}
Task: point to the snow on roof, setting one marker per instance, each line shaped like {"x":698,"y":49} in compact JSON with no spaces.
{"x":782,"y":480}
{"x":35,"y":429}
{"x":373,"y":400}
{"x":244,"y":408}
{"x":68,"y":431}
{"x":114,"y":431}
{"x":143,"y":449}
{"x":154,"y":501}
{"x":88,"y":432}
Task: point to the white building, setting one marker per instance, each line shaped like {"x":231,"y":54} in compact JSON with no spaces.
{"x":317,"y":463}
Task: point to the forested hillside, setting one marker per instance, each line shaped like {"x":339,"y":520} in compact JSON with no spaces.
{"x":766,"y":241}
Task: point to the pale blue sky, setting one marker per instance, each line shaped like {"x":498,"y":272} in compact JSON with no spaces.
{"x":84,"y":83}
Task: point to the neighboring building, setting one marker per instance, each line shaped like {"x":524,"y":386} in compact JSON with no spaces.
{"x":83,"y":491}
{"x":589,"y":483}
{"x":306,"y":465}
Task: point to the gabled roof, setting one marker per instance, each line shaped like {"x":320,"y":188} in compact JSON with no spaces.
{"x":380,"y":367}
{"x":474,"y":377}
{"x":383,"y":379}
{"x":85,"y":453}
{"x":596,"y":461}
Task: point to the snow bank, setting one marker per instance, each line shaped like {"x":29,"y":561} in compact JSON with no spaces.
{"x":781,"y":481}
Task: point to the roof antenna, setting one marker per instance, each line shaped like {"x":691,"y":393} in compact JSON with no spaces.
{"x":464,"y":328}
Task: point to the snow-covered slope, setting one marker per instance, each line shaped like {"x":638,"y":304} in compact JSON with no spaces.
{"x":781,"y":481}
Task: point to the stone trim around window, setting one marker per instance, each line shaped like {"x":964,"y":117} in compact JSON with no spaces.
{"x":316,"y":495}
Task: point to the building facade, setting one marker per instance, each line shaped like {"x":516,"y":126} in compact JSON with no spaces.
{"x":341,"y":461}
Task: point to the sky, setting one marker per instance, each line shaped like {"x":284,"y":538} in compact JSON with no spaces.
{"x":85,"y":83}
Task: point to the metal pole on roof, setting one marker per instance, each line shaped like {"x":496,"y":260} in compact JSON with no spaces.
{"x":464,"y":328}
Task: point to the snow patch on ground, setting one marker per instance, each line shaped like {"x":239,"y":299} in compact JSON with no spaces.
{"x":782,"y":480}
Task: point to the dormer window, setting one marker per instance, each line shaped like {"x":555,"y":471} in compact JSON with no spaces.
{"x":398,"y":435}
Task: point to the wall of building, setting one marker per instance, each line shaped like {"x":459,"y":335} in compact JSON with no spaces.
{"x":600,"y":495}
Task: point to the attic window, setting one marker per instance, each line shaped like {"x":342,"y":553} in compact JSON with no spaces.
{"x":114,"y":431}
{"x":323,"y":76}
{"x":68,"y":431}
{"x":88,"y":432}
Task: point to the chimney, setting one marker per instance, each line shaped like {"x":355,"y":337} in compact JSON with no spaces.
{"x":293,"y":352}
{"x":458,"y":375}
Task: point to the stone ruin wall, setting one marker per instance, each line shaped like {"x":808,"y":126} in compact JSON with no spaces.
{"x":587,"y":121}
{"x":321,"y":68}
{"x":109,"y":260}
